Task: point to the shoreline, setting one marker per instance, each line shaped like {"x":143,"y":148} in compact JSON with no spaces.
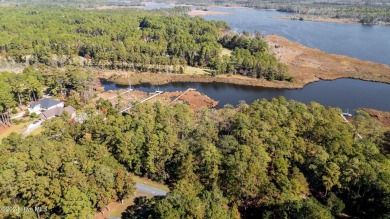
{"x":381,"y":116}
{"x":325,"y":20}
{"x":122,"y":78}
{"x":250,"y":82}
{"x":317,"y":19}
{"x":196,"y":12}
{"x":306,"y":65}
{"x":193,"y":13}
{"x":194,"y":98}
{"x":114,"y":7}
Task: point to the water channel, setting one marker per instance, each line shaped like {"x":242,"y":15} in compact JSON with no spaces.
{"x":355,"y":40}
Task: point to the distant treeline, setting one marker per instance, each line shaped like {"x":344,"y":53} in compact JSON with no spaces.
{"x":366,"y":12}
{"x":363,"y":14}
{"x":257,"y":2}
{"x":363,"y":11}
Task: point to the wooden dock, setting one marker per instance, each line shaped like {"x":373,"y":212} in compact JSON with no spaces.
{"x":127,"y":91}
{"x":344,"y":115}
{"x":177,"y":98}
{"x":142,"y":101}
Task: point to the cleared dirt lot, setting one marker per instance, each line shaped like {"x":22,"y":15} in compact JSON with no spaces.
{"x":194,"y":99}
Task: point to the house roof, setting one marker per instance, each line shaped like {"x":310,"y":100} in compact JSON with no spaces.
{"x":57,"y":111}
{"x":45,"y":103}
{"x":70,"y":110}
{"x":48,"y":114}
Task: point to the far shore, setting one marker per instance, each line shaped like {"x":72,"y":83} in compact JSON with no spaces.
{"x":322,"y":19}
{"x":317,"y":19}
{"x":305,"y":65}
{"x":111,"y":7}
{"x":308,"y":65}
{"x":205,"y":13}
{"x":123,"y":78}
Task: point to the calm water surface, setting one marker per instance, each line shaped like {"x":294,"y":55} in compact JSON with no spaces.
{"x":355,"y":40}
{"x":347,"y":94}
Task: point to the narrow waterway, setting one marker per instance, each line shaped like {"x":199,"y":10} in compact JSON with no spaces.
{"x":347,"y":94}
{"x":355,"y":40}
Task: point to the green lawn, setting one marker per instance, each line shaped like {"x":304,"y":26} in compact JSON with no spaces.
{"x":19,"y":129}
{"x":14,"y":128}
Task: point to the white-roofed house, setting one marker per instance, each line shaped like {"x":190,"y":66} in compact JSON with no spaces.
{"x":44,"y":105}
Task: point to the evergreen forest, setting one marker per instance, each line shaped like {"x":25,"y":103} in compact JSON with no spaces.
{"x":131,"y":40}
{"x":270,"y":159}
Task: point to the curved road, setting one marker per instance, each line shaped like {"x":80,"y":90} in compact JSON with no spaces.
{"x":31,"y":128}
{"x":149,"y":190}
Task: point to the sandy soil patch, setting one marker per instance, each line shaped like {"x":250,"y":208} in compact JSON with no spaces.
{"x":204,"y":13}
{"x":121,"y":99}
{"x":116,"y":208}
{"x":381,"y":116}
{"x":6,"y":130}
{"x":194,"y":99}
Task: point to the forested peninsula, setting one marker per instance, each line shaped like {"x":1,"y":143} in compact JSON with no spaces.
{"x":131,"y":40}
{"x":165,"y":42}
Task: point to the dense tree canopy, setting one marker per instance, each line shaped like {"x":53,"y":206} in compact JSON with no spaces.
{"x":272,"y":158}
{"x":61,"y":177}
{"x":127,"y":39}
{"x":22,"y":89}
{"x":251,"y":57}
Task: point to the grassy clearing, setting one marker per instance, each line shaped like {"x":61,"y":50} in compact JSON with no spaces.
{"x":194,"y":71}
{"x":150,"y":183}
{"x":226,"y":52}
{"x":14,"y":128}
{"x":117,"y":208}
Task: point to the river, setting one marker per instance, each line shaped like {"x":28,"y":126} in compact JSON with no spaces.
{"x":367,"y":42}
{"x":347,"y":94}
{"x":355,"y":40}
